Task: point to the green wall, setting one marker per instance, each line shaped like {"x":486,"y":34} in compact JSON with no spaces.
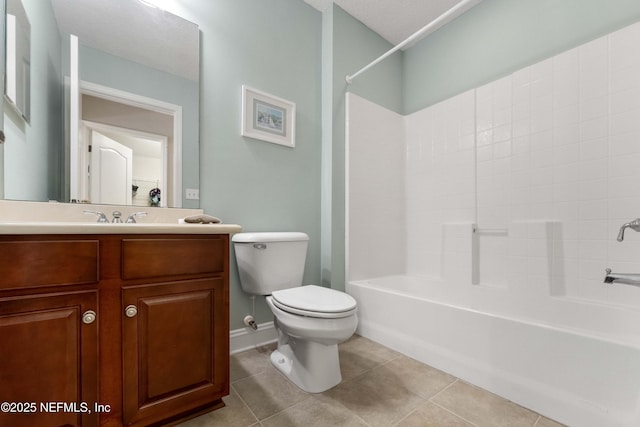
{"x":353,"y":46}
{"x":287,"y":48}
{"x":498,"y":37}
{"x":33,"y":152}
{"x":273,"y":46}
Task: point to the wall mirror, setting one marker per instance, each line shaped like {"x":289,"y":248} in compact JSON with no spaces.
{"x":137,"y":72}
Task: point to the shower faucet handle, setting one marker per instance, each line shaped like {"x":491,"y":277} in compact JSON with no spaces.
{"x":634,"y":225}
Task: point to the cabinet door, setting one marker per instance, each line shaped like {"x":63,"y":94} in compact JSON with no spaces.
{"x":48,"y":360}
{"x":176,"y":348}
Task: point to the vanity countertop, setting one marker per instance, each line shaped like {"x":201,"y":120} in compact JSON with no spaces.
{"x":111,"y":228}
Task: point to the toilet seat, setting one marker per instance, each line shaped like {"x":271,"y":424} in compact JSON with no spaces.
{"x":315,"y":301}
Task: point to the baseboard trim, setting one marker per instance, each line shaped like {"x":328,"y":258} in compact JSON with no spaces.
{"x":246,"y":338}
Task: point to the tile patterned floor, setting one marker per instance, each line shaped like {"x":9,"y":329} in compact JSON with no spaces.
{"x":380,"y":387}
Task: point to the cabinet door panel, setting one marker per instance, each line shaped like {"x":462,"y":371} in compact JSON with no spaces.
{"x":49,"y":355}
{"x":176,"y":353}
{"x":171,"y":361}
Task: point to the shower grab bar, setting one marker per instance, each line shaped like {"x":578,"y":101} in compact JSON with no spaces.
{"x":413,"y":37}
{"x":632,"y":279}
{"x":491,"y":231}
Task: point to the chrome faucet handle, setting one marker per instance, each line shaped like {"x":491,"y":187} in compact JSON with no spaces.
{"x":116,"y":217}
{"x":101,"y":217}
{"x":634,"y":225}
{"x":131,"y":219}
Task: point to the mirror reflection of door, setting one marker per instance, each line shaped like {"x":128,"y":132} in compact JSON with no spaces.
{"x":111,"y":170}
{"x":114,"y":150}
{"x":149,"y":128}
{"x":94,"y":106}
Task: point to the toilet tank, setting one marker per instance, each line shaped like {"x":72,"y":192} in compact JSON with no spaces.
{"x":271,"y":261}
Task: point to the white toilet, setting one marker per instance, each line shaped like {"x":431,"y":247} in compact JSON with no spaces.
{"x":310,"y":320}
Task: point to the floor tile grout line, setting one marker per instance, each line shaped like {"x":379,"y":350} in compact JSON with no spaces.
{"x":444,"y":389}
{"x":447,"y":409}
{"x":366,"y":371}
{"x":349,"y":410}
{"x":463,"y":418}
{"x":311,"y":396}
{"x":409,"y":414}
{"x":285,"y":409}
{"x":453,"y":413}
{"x":254,"y":374}
{"x":246,"y":405}
{"x":356,"y":415}
{"x":269,"y":367}
{"x":384,"y":363}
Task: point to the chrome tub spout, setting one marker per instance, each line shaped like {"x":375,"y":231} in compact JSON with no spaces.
{"x":622,"y":278}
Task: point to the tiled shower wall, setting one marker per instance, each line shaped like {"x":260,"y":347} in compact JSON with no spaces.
{"x":376,"y":191}
{"x":555,"y":144}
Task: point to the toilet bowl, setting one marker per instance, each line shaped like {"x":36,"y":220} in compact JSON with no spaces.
{"x":307,"y":350}
{"x":310,"y":320}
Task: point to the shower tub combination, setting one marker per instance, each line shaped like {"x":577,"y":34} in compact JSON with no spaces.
{"x":577,"y":362}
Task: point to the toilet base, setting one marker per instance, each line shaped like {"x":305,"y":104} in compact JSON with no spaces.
{"x":311,"y":366}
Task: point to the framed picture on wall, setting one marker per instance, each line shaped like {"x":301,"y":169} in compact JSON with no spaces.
{"x":268,"y":118}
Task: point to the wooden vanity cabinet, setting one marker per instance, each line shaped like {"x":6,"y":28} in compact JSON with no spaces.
{"x":48,"y":331}
{"x":175,"y":326}
{"x":158,"y":349}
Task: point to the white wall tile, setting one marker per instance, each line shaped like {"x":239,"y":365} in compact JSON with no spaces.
{"x":624,"y":166}
{"x":557,"y":143}
{"x":592,"y":170}
{"x":593,"y":190}
{"x":623,"y":44}
{"x":626,"y":99}
{"x":624,"y":144}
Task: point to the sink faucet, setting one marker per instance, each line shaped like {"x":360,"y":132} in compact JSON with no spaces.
{"x":116,"y":217}
{"x":634,"y":225}
{"x":132,"y":218}
{"x":101,"y":217}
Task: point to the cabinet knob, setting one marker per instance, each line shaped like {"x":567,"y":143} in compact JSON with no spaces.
{"x":88,"y":317}
{"x":130,"y":311}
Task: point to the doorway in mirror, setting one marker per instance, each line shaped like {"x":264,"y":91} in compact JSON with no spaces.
{"x":151,"y":129}
{"x":124,"y":165}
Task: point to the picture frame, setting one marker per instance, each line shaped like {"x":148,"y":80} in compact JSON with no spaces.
{"x":267,"y":117}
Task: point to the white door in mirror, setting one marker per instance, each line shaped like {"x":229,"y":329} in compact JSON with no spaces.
{"x":111,"y":171}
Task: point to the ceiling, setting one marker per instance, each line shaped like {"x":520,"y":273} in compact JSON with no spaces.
{"x":133,"y":30}
{"x":395,"y":20}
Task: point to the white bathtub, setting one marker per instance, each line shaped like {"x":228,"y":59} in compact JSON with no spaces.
{"x":574,"y":362}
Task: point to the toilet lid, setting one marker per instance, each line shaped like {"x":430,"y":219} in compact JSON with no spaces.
{"x":315,"y":301}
